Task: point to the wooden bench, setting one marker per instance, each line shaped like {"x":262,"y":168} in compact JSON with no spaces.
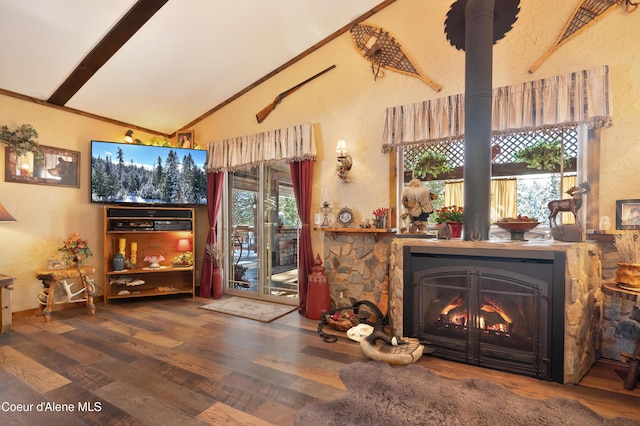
{"x":46,"y":296}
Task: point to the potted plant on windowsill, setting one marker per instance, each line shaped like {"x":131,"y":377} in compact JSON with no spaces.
{"x":452,"y":216}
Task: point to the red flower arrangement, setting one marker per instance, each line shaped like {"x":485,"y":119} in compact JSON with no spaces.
{"x":75,"y":249}
{"x":380,"y":212}
{"x":450,"y":214}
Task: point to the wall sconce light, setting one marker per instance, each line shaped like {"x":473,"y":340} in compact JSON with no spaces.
{"x":128,"y":137}
{"x":344,"y":160}
{"x":5,"y":216}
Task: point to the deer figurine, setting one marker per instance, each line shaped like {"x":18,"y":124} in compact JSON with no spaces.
{"x":572,"y":204}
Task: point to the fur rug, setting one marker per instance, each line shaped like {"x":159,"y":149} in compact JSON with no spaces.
{"x":378,"y":394}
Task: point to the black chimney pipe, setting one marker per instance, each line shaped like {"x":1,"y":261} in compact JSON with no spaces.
{"x":479,"y":38}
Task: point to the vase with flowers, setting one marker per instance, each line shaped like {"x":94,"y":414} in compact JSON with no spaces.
{"x":380,"y":217}
{"x":75,"y":250}
{"x":452,"y":216}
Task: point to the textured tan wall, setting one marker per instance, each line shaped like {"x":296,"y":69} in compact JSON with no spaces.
{"x":347,"y":103}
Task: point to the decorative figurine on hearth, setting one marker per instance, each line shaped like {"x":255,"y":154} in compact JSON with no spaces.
{"x":573,"y":204}
{"x":416,"y":200}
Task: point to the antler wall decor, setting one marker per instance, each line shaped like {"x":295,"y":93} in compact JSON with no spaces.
{"x":587,"y":13}
{"x":383,"y":51}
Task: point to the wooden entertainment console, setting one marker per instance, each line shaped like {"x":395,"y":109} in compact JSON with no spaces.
{"x":141,"y":233}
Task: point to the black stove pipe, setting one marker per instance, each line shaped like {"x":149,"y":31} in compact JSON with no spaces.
{"x":479,"y":21}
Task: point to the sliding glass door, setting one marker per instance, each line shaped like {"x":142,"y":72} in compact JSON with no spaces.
{"x":263,"y":230}
{"x":242,"y":220}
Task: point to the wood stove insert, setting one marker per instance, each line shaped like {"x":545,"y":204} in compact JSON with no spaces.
{"x":500,"y":309}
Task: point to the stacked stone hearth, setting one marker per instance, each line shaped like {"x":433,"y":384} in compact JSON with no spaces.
{"x":621,"y":313}
{"x":620,"y":322}
{"x":356,"y":265}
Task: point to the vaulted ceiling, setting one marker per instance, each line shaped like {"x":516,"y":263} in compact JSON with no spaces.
{"x":159,"y":65}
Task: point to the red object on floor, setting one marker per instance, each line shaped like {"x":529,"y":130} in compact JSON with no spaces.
{"x":318,"y":299}
{"x":218,"y":282}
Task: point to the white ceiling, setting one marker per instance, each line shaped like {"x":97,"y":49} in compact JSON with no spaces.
{"x":190,"y":57}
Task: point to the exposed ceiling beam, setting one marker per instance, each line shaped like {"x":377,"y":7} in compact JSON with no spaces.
{"x":130,"y":23}
{"x":134,"y":19}
{"x":312,"y":49}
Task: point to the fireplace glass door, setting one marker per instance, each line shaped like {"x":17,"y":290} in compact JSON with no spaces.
{"x":485,"y":311}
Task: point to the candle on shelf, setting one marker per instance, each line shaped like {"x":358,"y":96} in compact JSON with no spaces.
{"x":134,"y":250}
{"x":122,"y":244}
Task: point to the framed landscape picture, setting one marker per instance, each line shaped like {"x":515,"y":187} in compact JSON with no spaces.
{"x":628,"y":214}
{"x":58,"y":167}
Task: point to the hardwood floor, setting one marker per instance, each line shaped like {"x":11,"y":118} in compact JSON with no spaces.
{"x":163,"y":361}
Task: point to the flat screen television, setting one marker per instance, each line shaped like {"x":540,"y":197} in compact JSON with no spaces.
{"x":134,"y":174}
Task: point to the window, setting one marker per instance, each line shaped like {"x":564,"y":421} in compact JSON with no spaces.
{"x":287,"y":209}
{"x":533,"y":188}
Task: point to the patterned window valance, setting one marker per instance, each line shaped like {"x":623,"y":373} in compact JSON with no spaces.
{"x":288,"y":145}
{"x":579,"y":97}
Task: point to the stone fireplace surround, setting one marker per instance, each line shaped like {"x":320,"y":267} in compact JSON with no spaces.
{"x":357,"y":263}
{"x":501,"y":309}
{"x":583,"y":295}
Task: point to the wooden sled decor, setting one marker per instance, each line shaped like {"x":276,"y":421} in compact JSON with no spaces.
{"x":383,"y":51}
{"x":587,"y":13}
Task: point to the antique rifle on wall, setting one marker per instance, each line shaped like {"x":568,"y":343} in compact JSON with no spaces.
{"x":267,"y":110}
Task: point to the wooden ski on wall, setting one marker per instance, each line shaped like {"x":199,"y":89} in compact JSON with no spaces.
{"x":587,"y":13}
{"x":383,"y":51}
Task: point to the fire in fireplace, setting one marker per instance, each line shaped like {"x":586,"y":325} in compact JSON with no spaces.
{"x":493,"y":320}
{"x":497,"y":309}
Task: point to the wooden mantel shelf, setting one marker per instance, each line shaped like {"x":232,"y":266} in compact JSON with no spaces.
{"x":356,"y":230}
{"x":608,"y":235}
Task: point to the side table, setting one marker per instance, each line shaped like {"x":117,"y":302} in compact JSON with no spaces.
{"x":6,"y":284}
{"x":46,"y":296}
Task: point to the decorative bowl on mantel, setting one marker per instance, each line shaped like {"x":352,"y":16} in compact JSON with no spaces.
{"x":517,"y":229}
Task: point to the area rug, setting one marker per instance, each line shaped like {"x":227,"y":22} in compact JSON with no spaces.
{"x":248,"y":308}
{"x":378,"y":394}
